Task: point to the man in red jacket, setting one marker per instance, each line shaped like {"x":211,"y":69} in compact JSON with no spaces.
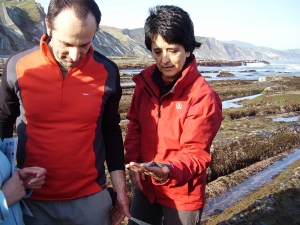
{"x":65,"y":97}
{"x":173,"y":119}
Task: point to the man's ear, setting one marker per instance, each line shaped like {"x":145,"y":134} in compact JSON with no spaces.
{"x":48,"y":27}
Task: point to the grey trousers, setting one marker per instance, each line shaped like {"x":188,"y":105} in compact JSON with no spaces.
{"x":157,"y":214}
{"x":92,"y":210}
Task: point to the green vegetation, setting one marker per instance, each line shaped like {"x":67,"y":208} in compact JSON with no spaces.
{"x":265,"y":105}
{"x":29,"y":6}
{"x":277,"y":103}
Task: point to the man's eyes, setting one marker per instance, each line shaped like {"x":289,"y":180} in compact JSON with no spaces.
{"x":69,"y":45}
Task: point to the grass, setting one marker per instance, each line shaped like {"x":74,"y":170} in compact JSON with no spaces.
{"x":29,"y":6}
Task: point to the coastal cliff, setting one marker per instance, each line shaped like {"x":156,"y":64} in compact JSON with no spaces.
{"x":22,"y":24}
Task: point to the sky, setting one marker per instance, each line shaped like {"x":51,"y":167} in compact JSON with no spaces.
{"x":268,"y":23}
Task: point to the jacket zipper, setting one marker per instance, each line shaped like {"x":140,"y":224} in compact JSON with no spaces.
{"x":158,"y":113}
{"x":62,"y":90}
{"x":155,"y":95}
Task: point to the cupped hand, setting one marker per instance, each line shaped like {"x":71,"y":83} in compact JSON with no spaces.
{"x":158,"y":173}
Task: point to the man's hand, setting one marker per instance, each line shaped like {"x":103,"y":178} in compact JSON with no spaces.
{"x":13,"y":189}
{"x":33,"y":177}
{"x":121,"y":207}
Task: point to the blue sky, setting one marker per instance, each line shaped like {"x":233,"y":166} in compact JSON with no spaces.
{"x":269,"y":23}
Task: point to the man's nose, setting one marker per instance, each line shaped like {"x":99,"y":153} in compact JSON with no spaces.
{"x":74,"y":54}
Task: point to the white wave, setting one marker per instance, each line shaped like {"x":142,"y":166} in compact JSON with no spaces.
{"x":258,"y":64}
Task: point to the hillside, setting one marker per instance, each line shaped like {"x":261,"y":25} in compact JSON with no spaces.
{"x":22,"y":24}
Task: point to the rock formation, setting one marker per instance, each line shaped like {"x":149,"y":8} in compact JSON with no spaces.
{"x":18,"y":31}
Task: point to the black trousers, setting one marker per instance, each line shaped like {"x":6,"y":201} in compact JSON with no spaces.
{"x":157,"y":214}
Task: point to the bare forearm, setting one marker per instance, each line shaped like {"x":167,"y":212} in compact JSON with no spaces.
{"x":121,"y":206}
{"x":118,"y":180}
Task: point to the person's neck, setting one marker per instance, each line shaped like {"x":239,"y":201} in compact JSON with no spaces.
{"x":167,"y":80}
{"x":170,"y":79}
{"x":63,"y":69}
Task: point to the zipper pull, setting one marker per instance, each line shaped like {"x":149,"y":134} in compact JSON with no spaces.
{"x":158,"y":113}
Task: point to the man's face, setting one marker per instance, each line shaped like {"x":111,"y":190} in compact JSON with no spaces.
{"x":71,"y":37}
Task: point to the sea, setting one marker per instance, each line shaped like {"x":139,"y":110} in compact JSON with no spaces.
{"x":253,"y":71}
{"x":250,"y":71}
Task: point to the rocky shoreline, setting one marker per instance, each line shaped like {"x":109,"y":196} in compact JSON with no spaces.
{"x":140,"y":63}
{"x":249,"y":141}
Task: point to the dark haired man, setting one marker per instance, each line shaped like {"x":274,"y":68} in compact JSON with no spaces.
{"x":66,"y":98}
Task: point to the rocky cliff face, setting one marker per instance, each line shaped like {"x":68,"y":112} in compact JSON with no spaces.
{"x":111,"y":41}
{"x":31,"y":30}
{"x":19,"y":31}
{"x":214,"y":49}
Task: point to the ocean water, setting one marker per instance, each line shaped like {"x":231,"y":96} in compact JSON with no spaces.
{"x":251,"y":71}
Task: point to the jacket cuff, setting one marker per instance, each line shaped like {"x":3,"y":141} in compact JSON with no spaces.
{"x":163,"y":182}
{"x":159,"y":182}
{"x":4,"y":211}
{"x":28,"y":192}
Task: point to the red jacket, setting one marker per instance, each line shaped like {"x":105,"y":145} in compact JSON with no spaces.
{"x":68,"y":126}
{"x":177,"y":128}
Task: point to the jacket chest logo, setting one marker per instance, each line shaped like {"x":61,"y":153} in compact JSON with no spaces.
{"x":178,"y":105}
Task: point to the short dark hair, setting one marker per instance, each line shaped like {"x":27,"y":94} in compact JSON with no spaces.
{"x":173,"y":24}
{"x":81,"y":8}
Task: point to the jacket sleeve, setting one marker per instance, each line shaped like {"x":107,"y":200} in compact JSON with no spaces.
{"x":200,"y":128}
{"x":111,"y":130}
{"x":4,"y":173}
{"x":5,"y":168}
{"x":9,"y":104}
{"x":4,"y":211}
{"x":133,"y":137}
